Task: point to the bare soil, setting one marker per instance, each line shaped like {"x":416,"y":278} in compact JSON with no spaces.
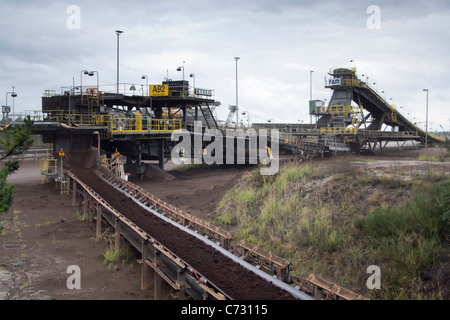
{"x":42,"y":237}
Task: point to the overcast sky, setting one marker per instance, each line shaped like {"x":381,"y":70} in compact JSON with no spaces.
{"x":403,"y":49}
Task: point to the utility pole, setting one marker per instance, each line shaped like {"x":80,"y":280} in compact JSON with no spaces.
{"x":118,"y":32}
{"x":310,"y":91}
{"x":237,"y":106}
{"x":426,"y":126}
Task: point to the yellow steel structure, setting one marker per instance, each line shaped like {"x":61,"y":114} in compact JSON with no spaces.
{"x":393,"y":116}
{"x":48,"y":168}
{"x":107,"y":164}
{"x":117,"y":124}
{"x":344,"y":110}
{"x":341,"y":130}
{"x":138,"y":124}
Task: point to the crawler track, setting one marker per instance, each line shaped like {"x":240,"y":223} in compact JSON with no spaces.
{"x":236,"y":281}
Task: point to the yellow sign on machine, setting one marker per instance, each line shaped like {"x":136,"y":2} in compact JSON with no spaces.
{"x":159,"y":90}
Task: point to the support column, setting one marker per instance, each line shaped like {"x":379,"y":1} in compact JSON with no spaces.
{"x":67,"y":191}
{"x":184,"y":116}
{"x":157,"y":282}
{"x":226,"y":244}
{"x":144,"y":267}
{"x":161,"y":156}
{"x":85,"y":202}
{"x":182,"y":284}
{"x":285,"y":274}
{"x":318,"y":293}
{"x":117,"y":234}
{"x":99,"y":221}
{"x":74,"y":193}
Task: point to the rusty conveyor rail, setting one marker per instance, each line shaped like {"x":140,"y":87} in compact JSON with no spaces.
{"x":185,"y":219}
{"x":158,"y":255}
{"x":199,"y":285}
{"x":265,"y":261}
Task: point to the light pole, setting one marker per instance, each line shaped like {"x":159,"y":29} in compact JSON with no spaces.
{"x":81,"y":83}
{"x":146,"y":82}
{"x":246,"y":113}
{"x":310,"y":91}
{"x":7,"y":110}
{"x":237,"y":105}
{"x":192,"y":75}
{"x":426,"y":126}
{"x":13,"y":95}
{"x":91,"y":73}
{"x":179,"y":69}
{"x":118,"y":32}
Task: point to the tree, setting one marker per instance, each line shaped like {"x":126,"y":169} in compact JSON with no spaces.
{"x":14,"y":140}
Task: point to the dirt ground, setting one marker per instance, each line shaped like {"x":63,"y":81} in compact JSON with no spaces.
{"x":196,"y":191}
{"x":42,"y":237}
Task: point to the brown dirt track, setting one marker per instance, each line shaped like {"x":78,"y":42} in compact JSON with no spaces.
{"x":41,"y":237}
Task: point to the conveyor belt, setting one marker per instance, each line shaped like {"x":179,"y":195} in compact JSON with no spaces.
{"x":227,"y":275}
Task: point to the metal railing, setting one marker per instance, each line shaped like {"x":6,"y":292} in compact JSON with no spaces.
{"x":116,"y":124}
{"x":340,"y":130}
{"x":129,"y":89}
{"x":48,"y":168}
{"x":344,"y":110}
{"x":137,"y":125}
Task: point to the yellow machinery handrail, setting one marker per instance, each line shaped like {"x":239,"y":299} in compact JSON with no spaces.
{"x":344,"y":110}
{"x":116,"y":124}
{"x":342,"y":130}
{"x":138,"y":124}
{"x":48,"y":167}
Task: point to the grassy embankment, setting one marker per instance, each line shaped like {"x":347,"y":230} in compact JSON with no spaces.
{"x":336,"y":221}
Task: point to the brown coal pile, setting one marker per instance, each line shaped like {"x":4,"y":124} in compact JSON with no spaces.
{"x":82,"y":158}
{"x":235,"y":280}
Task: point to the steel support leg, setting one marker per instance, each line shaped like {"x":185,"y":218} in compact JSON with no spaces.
{"x":117,"y":234}
{"x":157,"y":280}
{"x":98,"y":229}
{"x":85,"y":202}
{"x":182,"y":283}
{"x":74,"y":193}
{"x":144,"y":268}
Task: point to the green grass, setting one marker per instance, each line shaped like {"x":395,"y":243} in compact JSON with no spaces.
{"x":327,"y":228}
{"x":406,"y":240}
{"x":429,"y":158}
{"x":114,"y":257}
{"x":81,"y":216}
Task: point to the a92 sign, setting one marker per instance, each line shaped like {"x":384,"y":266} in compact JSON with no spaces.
{"x":159,"y":90}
